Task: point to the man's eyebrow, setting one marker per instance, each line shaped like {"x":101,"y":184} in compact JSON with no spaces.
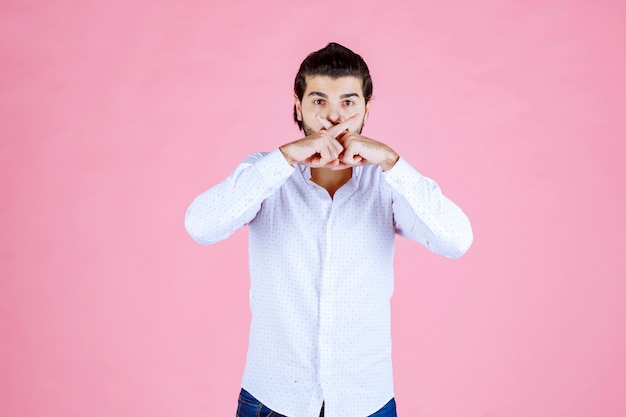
{"x":343,"y":96}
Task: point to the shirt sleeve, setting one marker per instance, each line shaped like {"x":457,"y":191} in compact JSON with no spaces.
{"x":218,"y":212}
{"x":422,"y":213}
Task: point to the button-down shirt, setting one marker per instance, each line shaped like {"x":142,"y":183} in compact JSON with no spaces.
{"x":321,"y":273}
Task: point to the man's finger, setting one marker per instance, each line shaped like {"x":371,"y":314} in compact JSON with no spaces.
{"x":337,"y":146}
{"x":337,"y":129}
{"x":325,"y":123}
{"x":325,"y":155}
{"x":329,"y":151}
{"x":348,"y":156}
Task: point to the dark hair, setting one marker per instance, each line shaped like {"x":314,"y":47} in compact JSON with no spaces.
{"x":334,"y":61}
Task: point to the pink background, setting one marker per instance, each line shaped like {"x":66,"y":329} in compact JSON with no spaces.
{"x":115,"y":114}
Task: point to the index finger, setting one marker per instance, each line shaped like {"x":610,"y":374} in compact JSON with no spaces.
{"x":325,"y":123}
{"x":337,"y":129}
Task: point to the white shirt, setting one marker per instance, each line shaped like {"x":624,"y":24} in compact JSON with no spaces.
{"x":321,"y":273}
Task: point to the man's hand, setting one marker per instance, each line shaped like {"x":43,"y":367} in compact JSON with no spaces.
{"x":360,"y":150}
{"x":320,"y":149}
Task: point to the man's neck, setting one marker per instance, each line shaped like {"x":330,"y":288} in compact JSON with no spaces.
{"x":330,"y":179}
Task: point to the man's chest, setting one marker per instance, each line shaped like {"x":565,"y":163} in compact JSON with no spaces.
{"x":302,"y":211}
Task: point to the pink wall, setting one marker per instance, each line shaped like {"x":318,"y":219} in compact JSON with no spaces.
{"x":115,"y":114}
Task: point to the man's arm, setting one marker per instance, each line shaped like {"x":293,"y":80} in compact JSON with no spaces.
{"x":215,"y":214}
{"x":422,"y":213}
{"x":218,"y":212}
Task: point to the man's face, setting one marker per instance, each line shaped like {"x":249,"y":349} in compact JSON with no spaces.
{"x":333,"y":99}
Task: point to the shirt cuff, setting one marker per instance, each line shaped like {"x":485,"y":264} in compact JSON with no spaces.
{"x":401,"y":174}
{"x":273,"y":167}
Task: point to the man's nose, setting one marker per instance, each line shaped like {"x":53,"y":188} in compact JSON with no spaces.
{"x":334,"y":116}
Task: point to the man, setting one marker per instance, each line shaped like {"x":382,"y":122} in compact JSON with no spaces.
{"x":322,"y":213}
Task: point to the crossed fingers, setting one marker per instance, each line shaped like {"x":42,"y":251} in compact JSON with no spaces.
{"x":328,"y":154}
{"x":327,"y":150}
{"x":336,"y":130}
{"x":347,"y":154}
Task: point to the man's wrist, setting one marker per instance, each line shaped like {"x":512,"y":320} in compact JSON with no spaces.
{"x":288,"y":157}
{"x":389,"y":162}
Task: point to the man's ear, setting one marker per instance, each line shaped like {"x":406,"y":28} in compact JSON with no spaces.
{"x":367,"y":110}
{"x":298,"y":105}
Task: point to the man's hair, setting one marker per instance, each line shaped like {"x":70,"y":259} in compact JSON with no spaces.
{"x":334,"y":61}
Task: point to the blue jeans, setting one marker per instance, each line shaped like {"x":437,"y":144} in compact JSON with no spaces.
{"x":249,"y":406}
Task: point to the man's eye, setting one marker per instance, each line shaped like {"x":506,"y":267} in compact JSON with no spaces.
{"x":319,"y":101}
{"x":348,"y":102}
